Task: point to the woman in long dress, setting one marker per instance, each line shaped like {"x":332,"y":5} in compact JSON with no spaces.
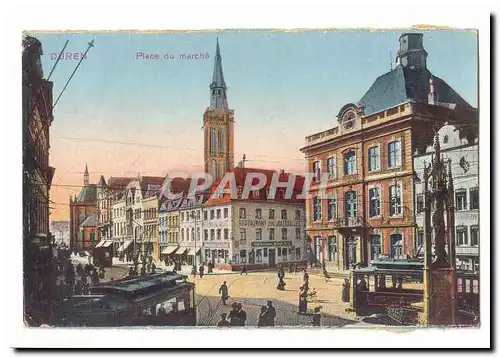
{"x":302,"y":300}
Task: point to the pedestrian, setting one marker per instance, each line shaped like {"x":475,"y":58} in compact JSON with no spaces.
{"x":193,"y":271}
{"x":290,"y":268}
{"x":210,"y":267}
{"x":234,"y":315}
{"x":345,"y":290}
{"x":78,"y":288}
{"x":202,"y":270}
{"x":306,"y":280}
{"x":316,"y":317}
{"x":224,"y":293}
{"x":79,"y":269}
{"x":302,"y":300}
{"x":281,"y":283}
{"x":102,"y":272}
{"x":243,"y":314}
{"x":271,"y":313}
{"x":223,"y":321}
{"x":244,"y":270}
{"x":263,"y":317}
{"x":143,"y":270}
{"x":153,"y":268}
{"x":95,"y":278}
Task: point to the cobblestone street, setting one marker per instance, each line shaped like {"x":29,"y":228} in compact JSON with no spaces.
{"x":256,"y":288}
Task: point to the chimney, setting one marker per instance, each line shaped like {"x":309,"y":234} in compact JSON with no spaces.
{"x":282,"y":171}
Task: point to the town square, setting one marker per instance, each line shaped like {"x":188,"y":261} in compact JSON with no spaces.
{"x":251,"y":180}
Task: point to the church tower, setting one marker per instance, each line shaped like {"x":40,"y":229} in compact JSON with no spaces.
{"x":218,"y":124}
{"x":86,"y":176}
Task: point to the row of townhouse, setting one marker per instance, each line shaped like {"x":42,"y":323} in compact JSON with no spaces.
{"x":257,"y":231}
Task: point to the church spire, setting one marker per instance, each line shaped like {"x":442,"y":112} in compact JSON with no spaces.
{"x":86,"y":176}
{"x":218,"y":87}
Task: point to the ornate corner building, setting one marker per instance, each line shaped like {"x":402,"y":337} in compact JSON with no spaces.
{"x":367,"y":162}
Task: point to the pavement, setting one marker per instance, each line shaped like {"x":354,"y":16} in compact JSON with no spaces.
{"x":256,"y":288}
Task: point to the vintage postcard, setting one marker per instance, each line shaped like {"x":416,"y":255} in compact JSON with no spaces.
{"x":321,"y":178}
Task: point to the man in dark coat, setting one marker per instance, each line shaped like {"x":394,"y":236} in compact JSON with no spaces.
{"x":244,"y":270}
{"x":223,"y":321}
{"x":316,"y":317}
{"x":224,"y":293}
{"x":271,"y":312}
{"x":263,"y":317}
{"x":234,"y":315}
{"x":242,"y":313}
{"x":202,"y":270}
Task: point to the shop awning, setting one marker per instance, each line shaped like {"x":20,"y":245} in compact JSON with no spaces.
{"x":169,"y":250}
{"x":182,"y":251}
{"x":104,"y":243}
{"x":124,"y":245}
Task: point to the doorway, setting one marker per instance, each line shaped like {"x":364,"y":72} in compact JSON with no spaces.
{"x":350,"y":252}
{"x":272,"y":257}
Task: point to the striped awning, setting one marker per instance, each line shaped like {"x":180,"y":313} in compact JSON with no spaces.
{"x":104,"y":243}
{"x":124,"y":245}
{"x":100,"y":243}
{"x":182,"y":250}
{"x":169,"y":250}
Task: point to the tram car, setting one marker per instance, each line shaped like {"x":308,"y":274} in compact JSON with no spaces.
{"x":164,"y":299}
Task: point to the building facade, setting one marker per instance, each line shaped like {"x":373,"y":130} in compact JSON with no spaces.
{"x":364,"y":165}
{"x":190,"y":229}
{"x":107,"y":194}
{"x":464,"y":164}
{"x":60,"y":230}
{"x":37,"y":119}
{"x":80,"y":208}
{"x":260,"y":231}
{"x":151,"y":218}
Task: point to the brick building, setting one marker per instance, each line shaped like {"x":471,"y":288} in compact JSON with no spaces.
{"x":364,"y":165}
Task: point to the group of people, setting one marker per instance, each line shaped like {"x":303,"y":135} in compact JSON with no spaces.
{"x":147,"y":266}
{"x":237,"y":316}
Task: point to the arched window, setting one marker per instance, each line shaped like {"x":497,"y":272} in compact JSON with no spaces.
{"x":214,"y":169}
{"x":350,"y":204}
{"x":350,"y":163}
{"x":213,"y":141}
{"x":221,"y":141}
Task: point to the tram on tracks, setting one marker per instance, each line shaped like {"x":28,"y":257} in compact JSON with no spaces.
{"x":163,"y":299}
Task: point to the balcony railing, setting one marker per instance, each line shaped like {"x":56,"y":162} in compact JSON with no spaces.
{"x":356,"y":221}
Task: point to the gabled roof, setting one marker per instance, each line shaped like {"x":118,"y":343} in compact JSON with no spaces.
{"x":241,"y":174}
{"x":88,"y":193}
{"x":102,"y":182}
{"x":119,"y":182}
{"x":147,"y":183}
{"x":89,"y":221}
{"x":404,"y":84}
